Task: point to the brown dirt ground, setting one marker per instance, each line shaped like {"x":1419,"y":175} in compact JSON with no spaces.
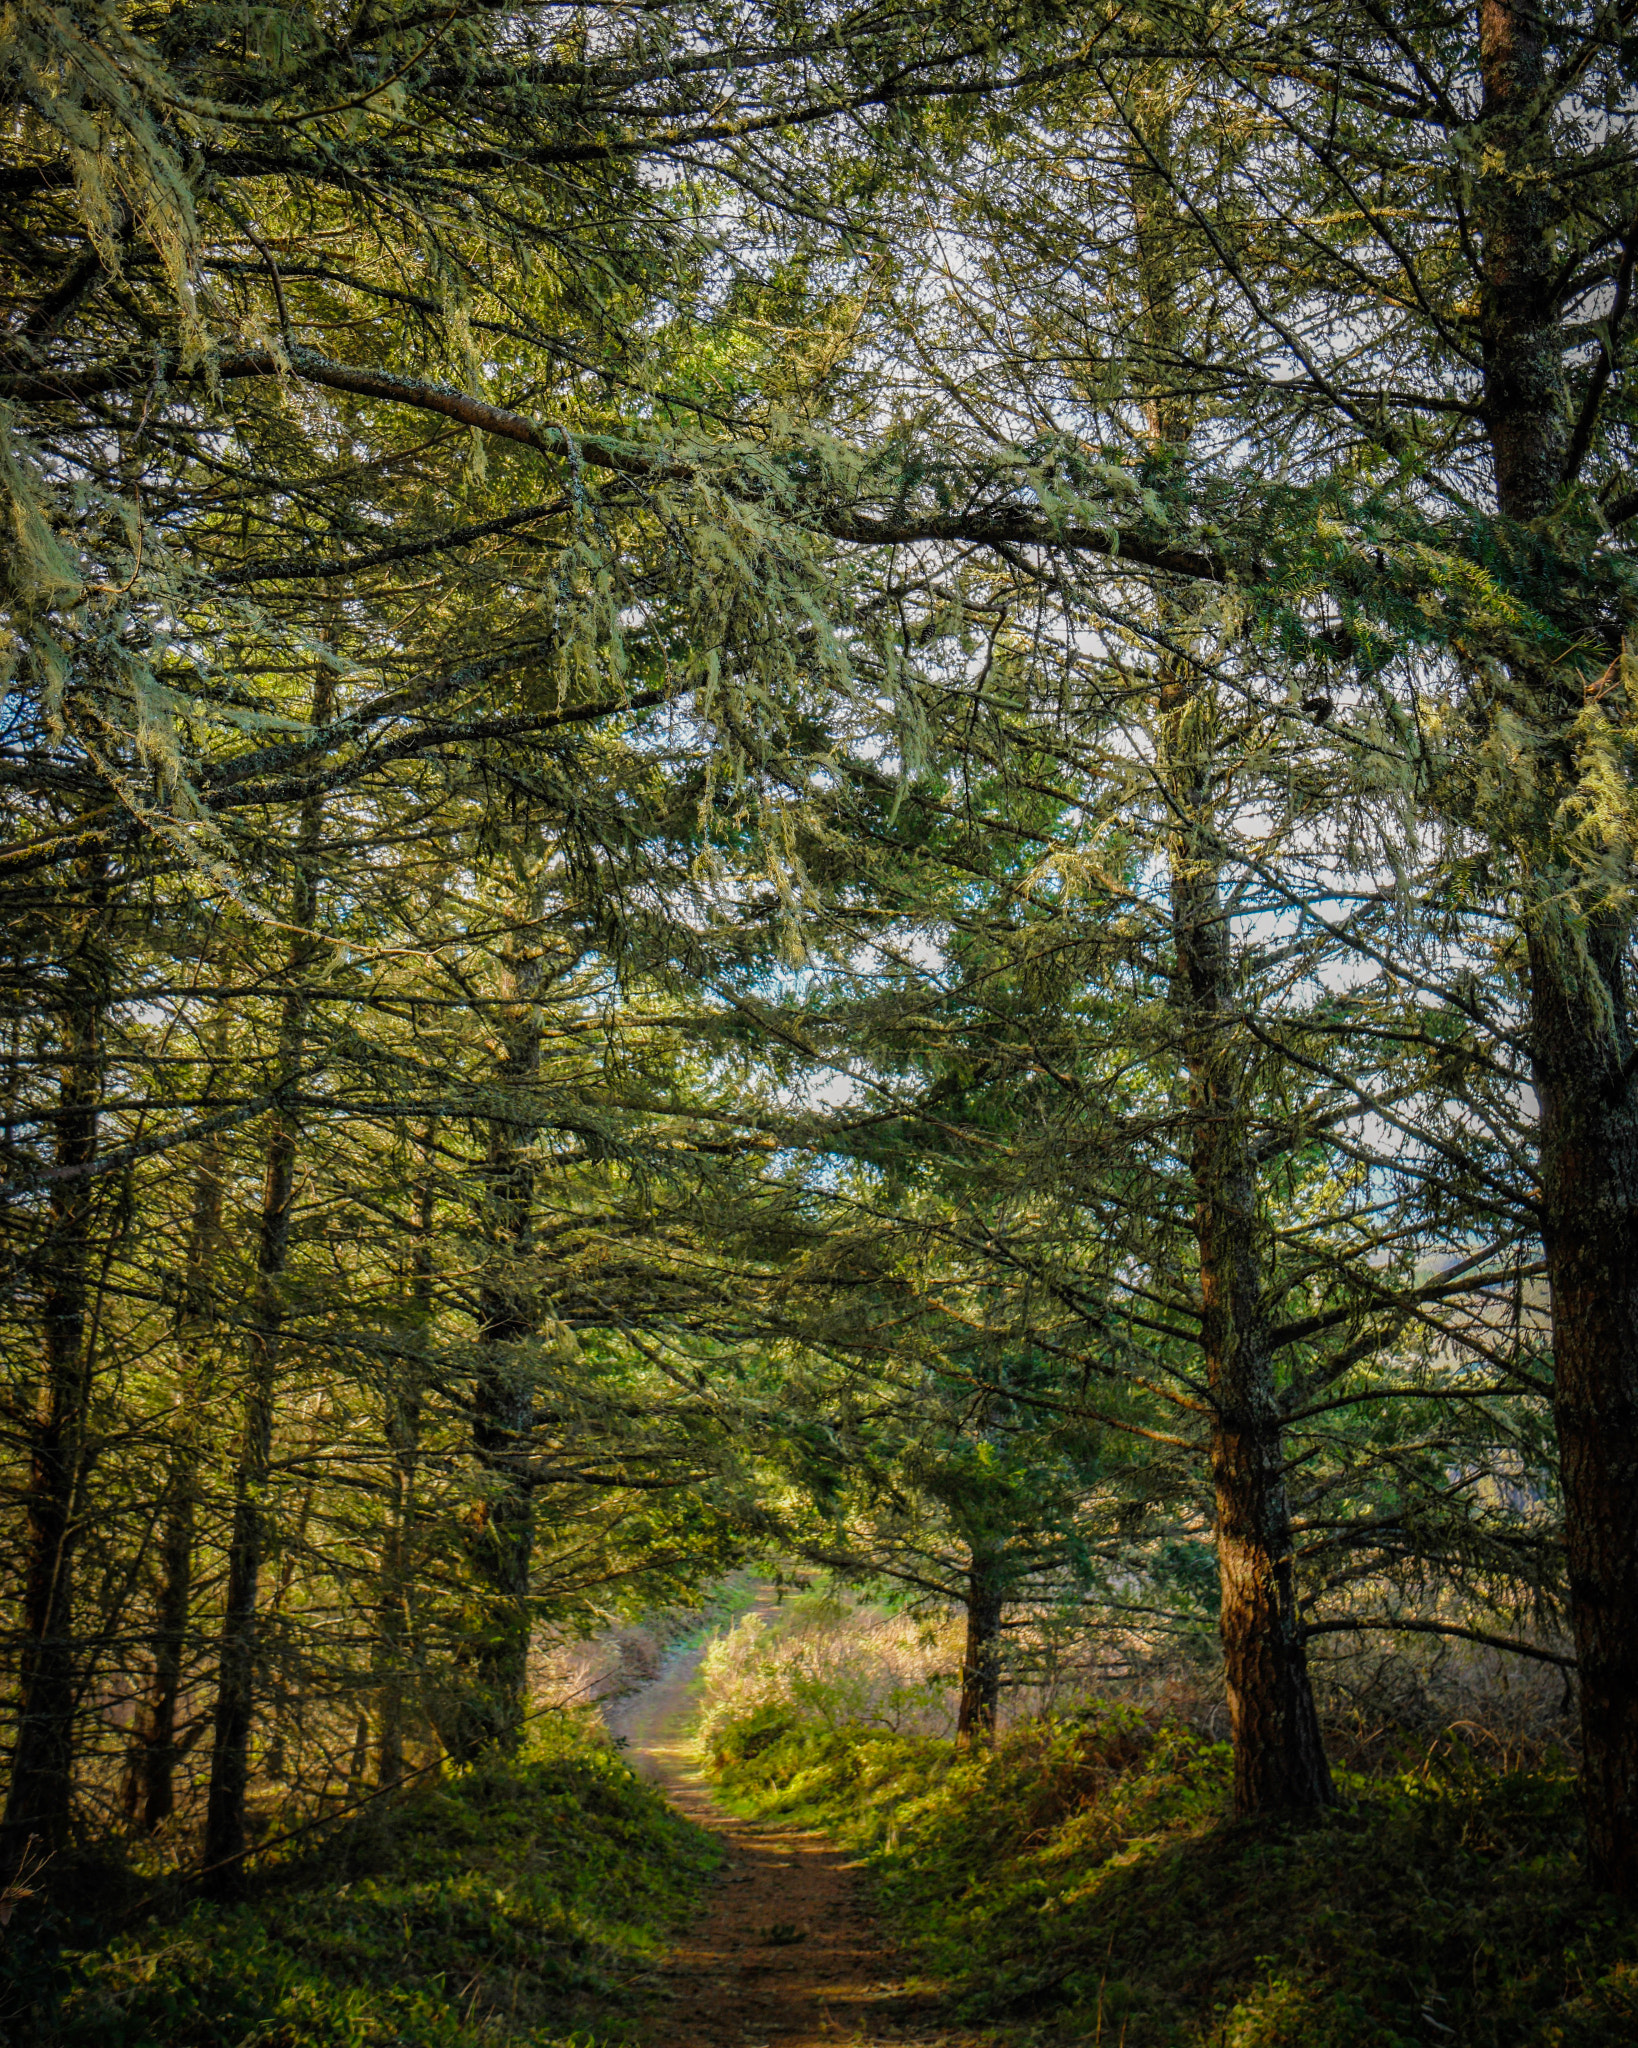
{"x":786,"y":1953}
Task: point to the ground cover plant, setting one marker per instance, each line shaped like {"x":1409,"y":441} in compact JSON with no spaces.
{"x":515,"y":1901}
{"x":1085,"y":1880}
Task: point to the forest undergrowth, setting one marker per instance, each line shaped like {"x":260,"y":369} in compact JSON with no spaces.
{"x":519,"y":1901}
{"x":1083,"y":1880}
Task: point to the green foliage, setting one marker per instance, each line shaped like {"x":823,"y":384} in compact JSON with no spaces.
{"x":511,"y":1902}
{"x":1085,"y":1875}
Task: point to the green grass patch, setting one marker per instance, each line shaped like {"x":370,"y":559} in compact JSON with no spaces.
{"x":511,"y":1903}
{"x":1085,"y":1882}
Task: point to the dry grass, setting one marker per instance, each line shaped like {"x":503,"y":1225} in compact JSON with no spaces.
{"x":831,"y":1661}
{"x":839,"y":1664}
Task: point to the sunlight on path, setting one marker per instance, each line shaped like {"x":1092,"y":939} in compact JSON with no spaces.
{"x":785,"y":1954}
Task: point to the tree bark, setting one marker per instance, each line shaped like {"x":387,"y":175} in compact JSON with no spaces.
{"x":39,"y":1797}
{"x":403,"y":1433}
{"x":195,"y":1320}
{"x":981,"y":1658}
{"x":501,"y":1541}
{"x":1580,"y":1018}
{"x":1583,"y":1054}
{"x":224,"y":1843}
{"x":1279,"y":1758}
{"x":236,"y":1667}
{"x":286,"y":1704}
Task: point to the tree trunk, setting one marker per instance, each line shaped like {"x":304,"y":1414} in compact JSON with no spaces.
{"x":501,"y":1543}
{"x":224,"y":1844}
{"x":403,"y":1433}
{"x":38,"y":1800}
{"x":981,"y":1658}
{"x":1580,"y":1022}
{"x":1583,"y":1053}
{"x":1279,"y":1759}
{"x":159,"y":1750}
{"x":236,"y":1668}
{"x":288,"y":1706}
{"x":170,"y":1633}
{"x":358,"y":1764}
{"x":195,"y":1320}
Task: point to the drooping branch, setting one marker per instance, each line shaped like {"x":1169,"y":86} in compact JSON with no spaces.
{"x":1005,"y":525}
{"x":1358,"y":1625}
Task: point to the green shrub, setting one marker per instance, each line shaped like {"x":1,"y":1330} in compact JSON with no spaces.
{"x":743,"y":1741}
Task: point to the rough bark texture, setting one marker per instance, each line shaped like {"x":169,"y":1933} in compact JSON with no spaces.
{"x":981,"y":1657}
{"x":224,"y":1843}
{"x":1525,"y":412}
{"x":1279,"y":1759}
{"x":501,"y":1544}
{"x":1581,"y":1034}
{"x":1589,"y":1185}
{"x":38,"y":1800}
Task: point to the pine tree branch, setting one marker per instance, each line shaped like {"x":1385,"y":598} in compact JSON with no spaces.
{"x":1006,"y":525}
{"x":1354,"y":1626}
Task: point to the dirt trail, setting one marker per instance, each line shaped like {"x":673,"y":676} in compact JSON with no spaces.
{"x":785,"y":1951}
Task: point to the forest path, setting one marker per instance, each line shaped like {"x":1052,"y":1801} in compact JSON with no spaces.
{"x":785,"y":1954}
